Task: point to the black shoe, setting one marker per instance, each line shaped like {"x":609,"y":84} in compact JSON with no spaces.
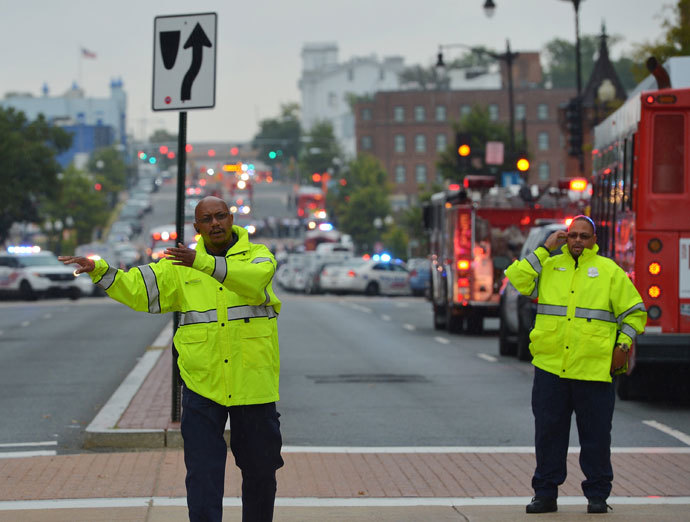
{"x":597,"y":505}
{"x":542,"y":505}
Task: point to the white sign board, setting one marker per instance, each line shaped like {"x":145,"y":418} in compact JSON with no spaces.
{"x":184,"y":62}
{"x":684,"y":268}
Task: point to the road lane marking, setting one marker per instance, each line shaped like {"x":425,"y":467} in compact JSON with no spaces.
{"x":27,"y":444}
{"x":487,"y":357}
{"x":385,"y":317}
{"x":410,"y":327}
{"x":684,"y":438}
{"x":25,"y":323}
{"x":361,"y":308}
{"x":441,"y":340}
{"x":47,"y":316}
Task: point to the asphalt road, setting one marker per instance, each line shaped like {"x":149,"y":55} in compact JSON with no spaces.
{"x":60,"y":361}
{"x":359,"y":371}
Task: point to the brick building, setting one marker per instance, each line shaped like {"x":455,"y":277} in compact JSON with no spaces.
{"x":406,"y":130}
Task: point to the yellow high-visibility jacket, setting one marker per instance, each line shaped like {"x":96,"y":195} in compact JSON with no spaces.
{"x":584,"y":308}
{"x":228,"y":336}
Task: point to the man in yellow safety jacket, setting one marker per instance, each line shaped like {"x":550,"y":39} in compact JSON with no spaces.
{"x":228,"y":354}
{"x":588,"y":314}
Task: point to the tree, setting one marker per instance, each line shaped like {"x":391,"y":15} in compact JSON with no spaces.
{"x":28,"y":168}
{"x":674,"y":42}
{"x":75,"y":201}
{"x":481,"y":130}
{"x":280,"y":134}
{"x":364,"y":198}
{"x":320,"y":149}
{"x":560,"y":68}
{"x":109,"y":169}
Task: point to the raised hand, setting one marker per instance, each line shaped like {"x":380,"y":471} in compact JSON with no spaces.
{"x":84,"y":263}
{"x":181,"y":255}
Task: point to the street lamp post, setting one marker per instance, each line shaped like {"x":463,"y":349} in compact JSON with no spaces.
{"x":508,"y":57}
{"x":578,"y":72}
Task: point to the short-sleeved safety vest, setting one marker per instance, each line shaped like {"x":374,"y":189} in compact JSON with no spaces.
{"x":227,"y":339}
{"x":585,"y":306}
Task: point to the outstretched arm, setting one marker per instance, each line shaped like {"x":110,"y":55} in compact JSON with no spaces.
{"x":84,"y":263}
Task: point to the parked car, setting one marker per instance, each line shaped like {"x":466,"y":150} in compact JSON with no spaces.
{"x":420,"y":275}
{"x":517,"y":312}
{"x":366,"y":276}
{"x":30,"y":273}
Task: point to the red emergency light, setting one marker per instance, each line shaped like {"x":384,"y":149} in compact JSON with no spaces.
{"x":476,"y":182}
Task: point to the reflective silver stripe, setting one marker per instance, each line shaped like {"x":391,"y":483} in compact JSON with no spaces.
{"x":588,"y":313}
{"x":638,"y":306}
{"x":629,"y":331}
{"x":260,"y":259}
{"x":151,"y":288}
{"x":534,"y":262}
{"x":221,"y":269}
{"x":108,"y":278}
{"x":198,"y":317}
{"x":546,"y":309}
{"x":247,"y":312}
{"x":235,"y":313}
{"x":535,"y":292}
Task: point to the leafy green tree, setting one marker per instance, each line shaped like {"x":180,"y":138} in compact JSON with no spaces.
{"x":364,"y":198}
{"x":320,"y":149}
{"x":109,"y":169}
{"x":561,"y":66}
{"x":674,"y":42}
{"x":28,"y":169}
{"x":395,"y":239}
{"x":77,"y":203}
{"x":280,"y":134}
{"x":481,"y":130}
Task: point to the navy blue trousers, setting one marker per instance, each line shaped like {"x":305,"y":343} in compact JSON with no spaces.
{"x":553,"y":402}
{"x":255,"y":442}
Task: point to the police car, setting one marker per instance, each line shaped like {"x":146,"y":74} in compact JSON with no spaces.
{"x":373,"y":276}
{"x":30,"y":273}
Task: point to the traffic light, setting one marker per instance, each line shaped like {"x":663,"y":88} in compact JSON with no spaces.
{"x":272,"y":154}
{"x":463,"y":151}
{"x":573,"y":119}
{"x":522,"y":163}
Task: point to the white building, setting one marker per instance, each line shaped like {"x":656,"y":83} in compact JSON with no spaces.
{"x":73,"y":108}
{"x":327,"y":86}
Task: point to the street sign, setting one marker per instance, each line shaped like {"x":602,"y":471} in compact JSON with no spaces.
{"x":184,"y":62}
{"x":494,"y":153}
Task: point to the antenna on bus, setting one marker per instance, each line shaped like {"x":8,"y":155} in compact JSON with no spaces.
{"x":663,"y":80}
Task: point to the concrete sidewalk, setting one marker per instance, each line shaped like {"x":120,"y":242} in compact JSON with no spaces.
{"x":316,"y":484}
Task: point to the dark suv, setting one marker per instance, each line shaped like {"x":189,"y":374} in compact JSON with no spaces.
{"x":516,"y":311}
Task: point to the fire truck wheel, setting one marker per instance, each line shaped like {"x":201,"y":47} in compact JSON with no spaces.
{"x":454,"y":324}
{"x":439,"y":319}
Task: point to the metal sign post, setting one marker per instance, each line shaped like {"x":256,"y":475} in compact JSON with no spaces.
{"x":184,"y":77}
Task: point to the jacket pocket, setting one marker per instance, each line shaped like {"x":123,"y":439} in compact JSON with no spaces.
{"x":192,"y":344}
{"x":597,"y":339}
{"x":257,"y":345}
{"x":543,"y":335}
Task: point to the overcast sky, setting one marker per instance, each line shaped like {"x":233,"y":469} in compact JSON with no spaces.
{"x":259,"y":44}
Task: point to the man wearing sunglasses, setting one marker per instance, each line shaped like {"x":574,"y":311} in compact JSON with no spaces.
{"x":228,"y":354}
{"x":588,"y":315}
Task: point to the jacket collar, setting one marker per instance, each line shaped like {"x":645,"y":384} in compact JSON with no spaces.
{"x":587,"y":253}
{"x":241,"y":245}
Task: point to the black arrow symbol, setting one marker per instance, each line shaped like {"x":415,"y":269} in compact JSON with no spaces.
{"x":197,"y":41}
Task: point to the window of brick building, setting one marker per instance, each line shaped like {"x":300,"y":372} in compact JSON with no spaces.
{"x":441,"y":142}
{"x":493,"y":112}
{"x":419,"y":113}
{"x":399,"y":113}
{"x":420,"y":173}
{"x":399,"y":145}
{"x":366,"y":142}
{"x":440,"y":113}
{"x":520,"y":111}
{"x":420,"y":143}
{"x":544,"y":171}
{"x":366,"y":114}
{"x":543,"y":141}
{"x":465,"y":110}
{"x":400,"y":174}
{"x":543,"y":111}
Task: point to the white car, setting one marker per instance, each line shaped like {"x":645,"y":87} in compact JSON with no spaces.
{"x":30,"y":273}
{"x":366,"y":276}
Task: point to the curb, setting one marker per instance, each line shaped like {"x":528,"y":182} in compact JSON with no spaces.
{"x":103,"y":432}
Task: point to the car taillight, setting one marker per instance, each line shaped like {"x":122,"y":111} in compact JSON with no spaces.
{"x":157,"y":236}
{"x":173,"y":235}
{"x":463,"y":282}
{"x":351,"y":273}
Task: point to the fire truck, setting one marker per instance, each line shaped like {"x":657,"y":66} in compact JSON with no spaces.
{"x":475,"y":232}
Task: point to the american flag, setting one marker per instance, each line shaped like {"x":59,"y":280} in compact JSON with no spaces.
{"x":85,"y":53}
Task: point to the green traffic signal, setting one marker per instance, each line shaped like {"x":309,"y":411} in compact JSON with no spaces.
{"x":272,"y":154}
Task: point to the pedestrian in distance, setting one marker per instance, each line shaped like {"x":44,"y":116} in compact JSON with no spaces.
{"x":229,"y":358}
{"x":588,"y":315}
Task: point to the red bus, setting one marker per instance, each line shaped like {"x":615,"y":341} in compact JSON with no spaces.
{"x":641,"y":206}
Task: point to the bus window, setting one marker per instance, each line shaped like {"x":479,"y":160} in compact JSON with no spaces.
{"x":628,"y":172}
{"x":669,"y":157}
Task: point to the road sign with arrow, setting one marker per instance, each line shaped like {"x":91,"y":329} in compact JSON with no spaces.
{"x":184,"y":62}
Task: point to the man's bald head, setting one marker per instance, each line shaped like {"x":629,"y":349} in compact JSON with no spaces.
{"x":204,"y":204}
{"x":213,"y":221}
